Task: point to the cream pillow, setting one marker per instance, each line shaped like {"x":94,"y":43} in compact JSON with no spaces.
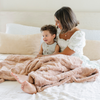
{"x":92,"y":49}
{"x":20,"y":44}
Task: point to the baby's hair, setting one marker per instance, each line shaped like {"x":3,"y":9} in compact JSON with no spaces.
{"x":51,"y":28}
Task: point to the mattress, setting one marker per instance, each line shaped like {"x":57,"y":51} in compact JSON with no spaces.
{"x":11,"y":90}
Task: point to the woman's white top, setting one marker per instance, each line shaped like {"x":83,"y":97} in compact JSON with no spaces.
{"x":76,"y":43}
{"x":48,"y":49}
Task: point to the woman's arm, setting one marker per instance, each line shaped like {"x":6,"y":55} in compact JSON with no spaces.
{"x":67,"y":51}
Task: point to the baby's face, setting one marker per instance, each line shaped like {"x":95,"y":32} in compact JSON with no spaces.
{"x":47,"y":37}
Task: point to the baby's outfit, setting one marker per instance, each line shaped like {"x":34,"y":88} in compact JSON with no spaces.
{"x":48,"y":49}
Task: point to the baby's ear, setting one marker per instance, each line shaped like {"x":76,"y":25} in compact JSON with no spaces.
{"x":54,"y":35}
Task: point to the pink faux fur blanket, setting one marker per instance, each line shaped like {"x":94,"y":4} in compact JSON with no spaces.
{"x":47,"y":71}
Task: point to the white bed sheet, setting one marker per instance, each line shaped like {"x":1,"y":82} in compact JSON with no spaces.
{"x":11,"y":90}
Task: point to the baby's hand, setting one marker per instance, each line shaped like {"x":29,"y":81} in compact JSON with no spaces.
{"x":36,"y":57}
{"x":39,"y":55}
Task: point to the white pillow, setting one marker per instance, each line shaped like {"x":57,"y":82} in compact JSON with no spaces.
{"x":12,"y":28}
{"x":20,"y":44}
{"x":92,"y":34}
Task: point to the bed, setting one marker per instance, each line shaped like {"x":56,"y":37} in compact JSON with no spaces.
{"x":14,"y":22}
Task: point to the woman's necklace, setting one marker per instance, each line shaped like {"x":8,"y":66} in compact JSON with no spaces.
{"x":66,"y":34}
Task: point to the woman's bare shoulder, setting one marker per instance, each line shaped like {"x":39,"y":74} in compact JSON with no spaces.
{"x":73,"y":31}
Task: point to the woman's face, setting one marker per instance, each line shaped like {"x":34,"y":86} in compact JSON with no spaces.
{"x":57,"y":23}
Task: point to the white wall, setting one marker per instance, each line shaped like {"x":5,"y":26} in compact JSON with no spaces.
{"x":49,"y":5}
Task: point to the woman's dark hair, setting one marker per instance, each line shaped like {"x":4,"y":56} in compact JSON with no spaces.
{"x":51,"y":28}
{"x":67,"y":18}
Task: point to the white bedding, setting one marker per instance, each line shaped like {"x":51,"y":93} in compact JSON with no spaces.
{"x":11,"y":90}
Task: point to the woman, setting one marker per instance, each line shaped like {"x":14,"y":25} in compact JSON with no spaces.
{"x":70,"y":39}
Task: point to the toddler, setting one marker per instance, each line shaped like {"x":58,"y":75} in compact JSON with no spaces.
{"x":49,"y":46}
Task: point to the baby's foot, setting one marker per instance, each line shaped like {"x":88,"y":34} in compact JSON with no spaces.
{"x":20,"y":78}
{"x":2,"y":80}
{"x":28,"y":87}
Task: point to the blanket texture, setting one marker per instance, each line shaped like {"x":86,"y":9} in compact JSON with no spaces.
{"x":47,"y":71}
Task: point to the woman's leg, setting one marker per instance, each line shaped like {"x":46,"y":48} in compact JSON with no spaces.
{"x":28,"y":87}
{"x":20,"y":78}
